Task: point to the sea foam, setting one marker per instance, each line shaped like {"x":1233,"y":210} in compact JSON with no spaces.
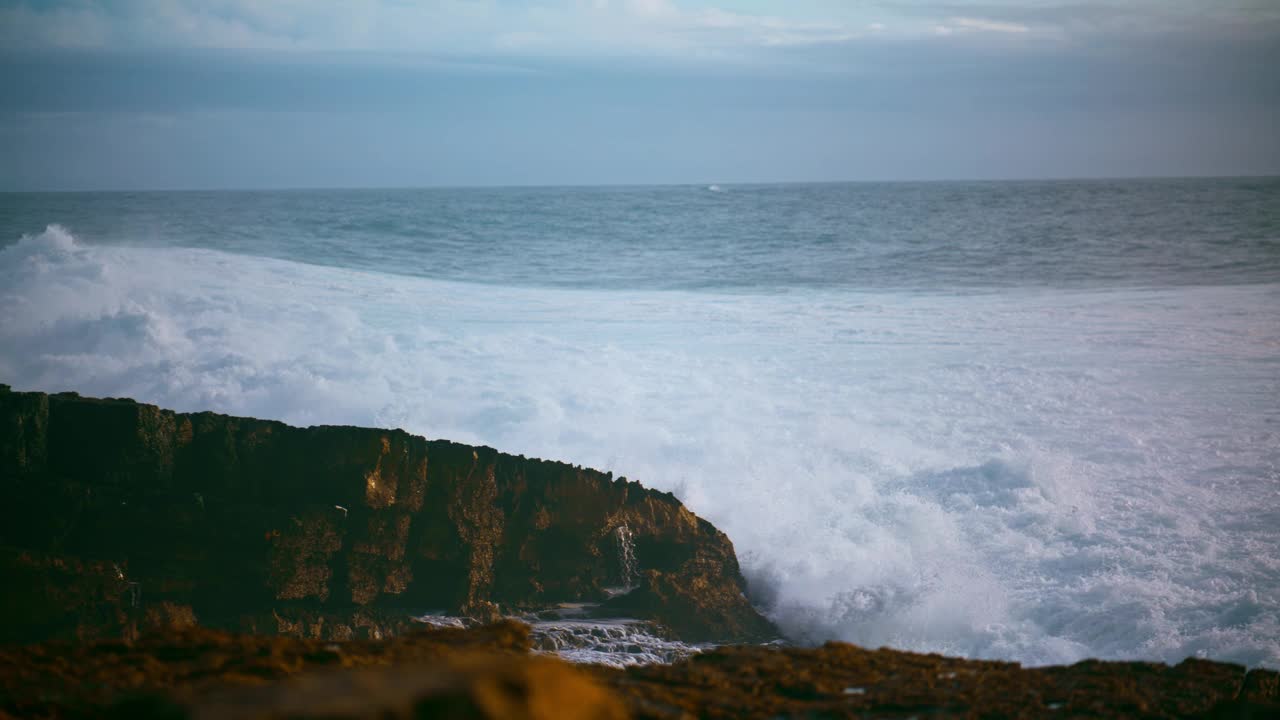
{"x":1032,"y":475}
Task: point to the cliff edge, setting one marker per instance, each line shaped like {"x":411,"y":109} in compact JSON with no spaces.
{"x":117,"y":517}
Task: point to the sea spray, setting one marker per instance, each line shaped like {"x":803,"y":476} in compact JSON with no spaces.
{"x":1032,"y":422}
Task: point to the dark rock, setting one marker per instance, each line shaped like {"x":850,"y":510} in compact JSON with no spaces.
{"x":160,"y":674}
{"x":1261,"y":686}
{"x":489,"y":672}
{"x":694,"y":603}
{"x":841,"y":680}
{"x":47,"y":595}
{"x":145,"y":518}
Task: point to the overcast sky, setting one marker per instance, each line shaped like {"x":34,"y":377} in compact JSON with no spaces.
{"x":141,"y":94}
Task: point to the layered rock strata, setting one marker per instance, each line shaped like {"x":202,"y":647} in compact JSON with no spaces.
{"x":117,"y":516}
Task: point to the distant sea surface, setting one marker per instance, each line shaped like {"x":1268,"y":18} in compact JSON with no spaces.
{"x":1036,"y":421}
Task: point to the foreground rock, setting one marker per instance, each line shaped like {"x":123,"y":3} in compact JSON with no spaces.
{"x":118,"y":517}
{"x":483,"y":672}
{"x":488,"y":673}
{"x":841,"y":680}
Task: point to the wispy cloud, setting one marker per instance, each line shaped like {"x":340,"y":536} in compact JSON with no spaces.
{"x":964,"y":24}
{"x":480,"y":91}
{"x":818,"y":35}
{"x":449,"y":26}
{"x":665,"y":28}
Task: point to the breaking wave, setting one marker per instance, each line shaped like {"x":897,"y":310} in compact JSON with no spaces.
{"x":1032,"y":475}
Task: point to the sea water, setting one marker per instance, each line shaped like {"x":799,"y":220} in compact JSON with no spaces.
{"x":1029,"y":421}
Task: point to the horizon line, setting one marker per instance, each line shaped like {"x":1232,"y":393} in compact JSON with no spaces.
{"x":567,"y":186}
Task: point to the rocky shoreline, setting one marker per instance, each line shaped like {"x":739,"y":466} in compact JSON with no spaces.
{"x":163,"y":564}
{"x":490,"y":672}
{"x":119,"y":517}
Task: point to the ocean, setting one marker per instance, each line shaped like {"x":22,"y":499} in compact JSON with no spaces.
{"x":1033,"y":421}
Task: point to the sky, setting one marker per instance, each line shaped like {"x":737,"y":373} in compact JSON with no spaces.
{"x":179,"y":94}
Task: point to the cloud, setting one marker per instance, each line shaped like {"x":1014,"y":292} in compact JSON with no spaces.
{"x":650,"y":8}
{"x":977,"y":25}
{"x":444,"y":26}
{"x":697,"y":30}
{"x":1081,"y":19}
{"x":631,"y":101}
{"x":981,"y":25}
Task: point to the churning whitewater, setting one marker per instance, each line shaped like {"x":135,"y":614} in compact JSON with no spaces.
{"x":1035,"y":471}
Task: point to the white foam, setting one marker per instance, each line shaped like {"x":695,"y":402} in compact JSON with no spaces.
{"x":618,"y":643}
{"x":1033,"y":476}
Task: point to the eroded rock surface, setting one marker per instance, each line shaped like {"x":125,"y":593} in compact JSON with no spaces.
{"x":488,"y":672}
{"x":214,"y":674}
{"x":840,"y":680}
{"x":118,"y":517}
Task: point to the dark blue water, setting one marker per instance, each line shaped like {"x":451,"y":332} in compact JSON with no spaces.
{"x":759,"y":237}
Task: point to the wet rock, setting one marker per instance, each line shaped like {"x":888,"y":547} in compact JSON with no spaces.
{"x":488,"y":671}
{"x":235,"y":518}
{"x":694,"y":603}
{"x":841,"y":680}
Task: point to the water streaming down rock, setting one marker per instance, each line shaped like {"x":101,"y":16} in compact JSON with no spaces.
{"x":583,"y":632}
{"x":617,"y":643}
{"x":576,"y":632}
{"x":628,"y":566}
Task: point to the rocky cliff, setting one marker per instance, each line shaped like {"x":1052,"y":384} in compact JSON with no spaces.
{"x":116,"y":517}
